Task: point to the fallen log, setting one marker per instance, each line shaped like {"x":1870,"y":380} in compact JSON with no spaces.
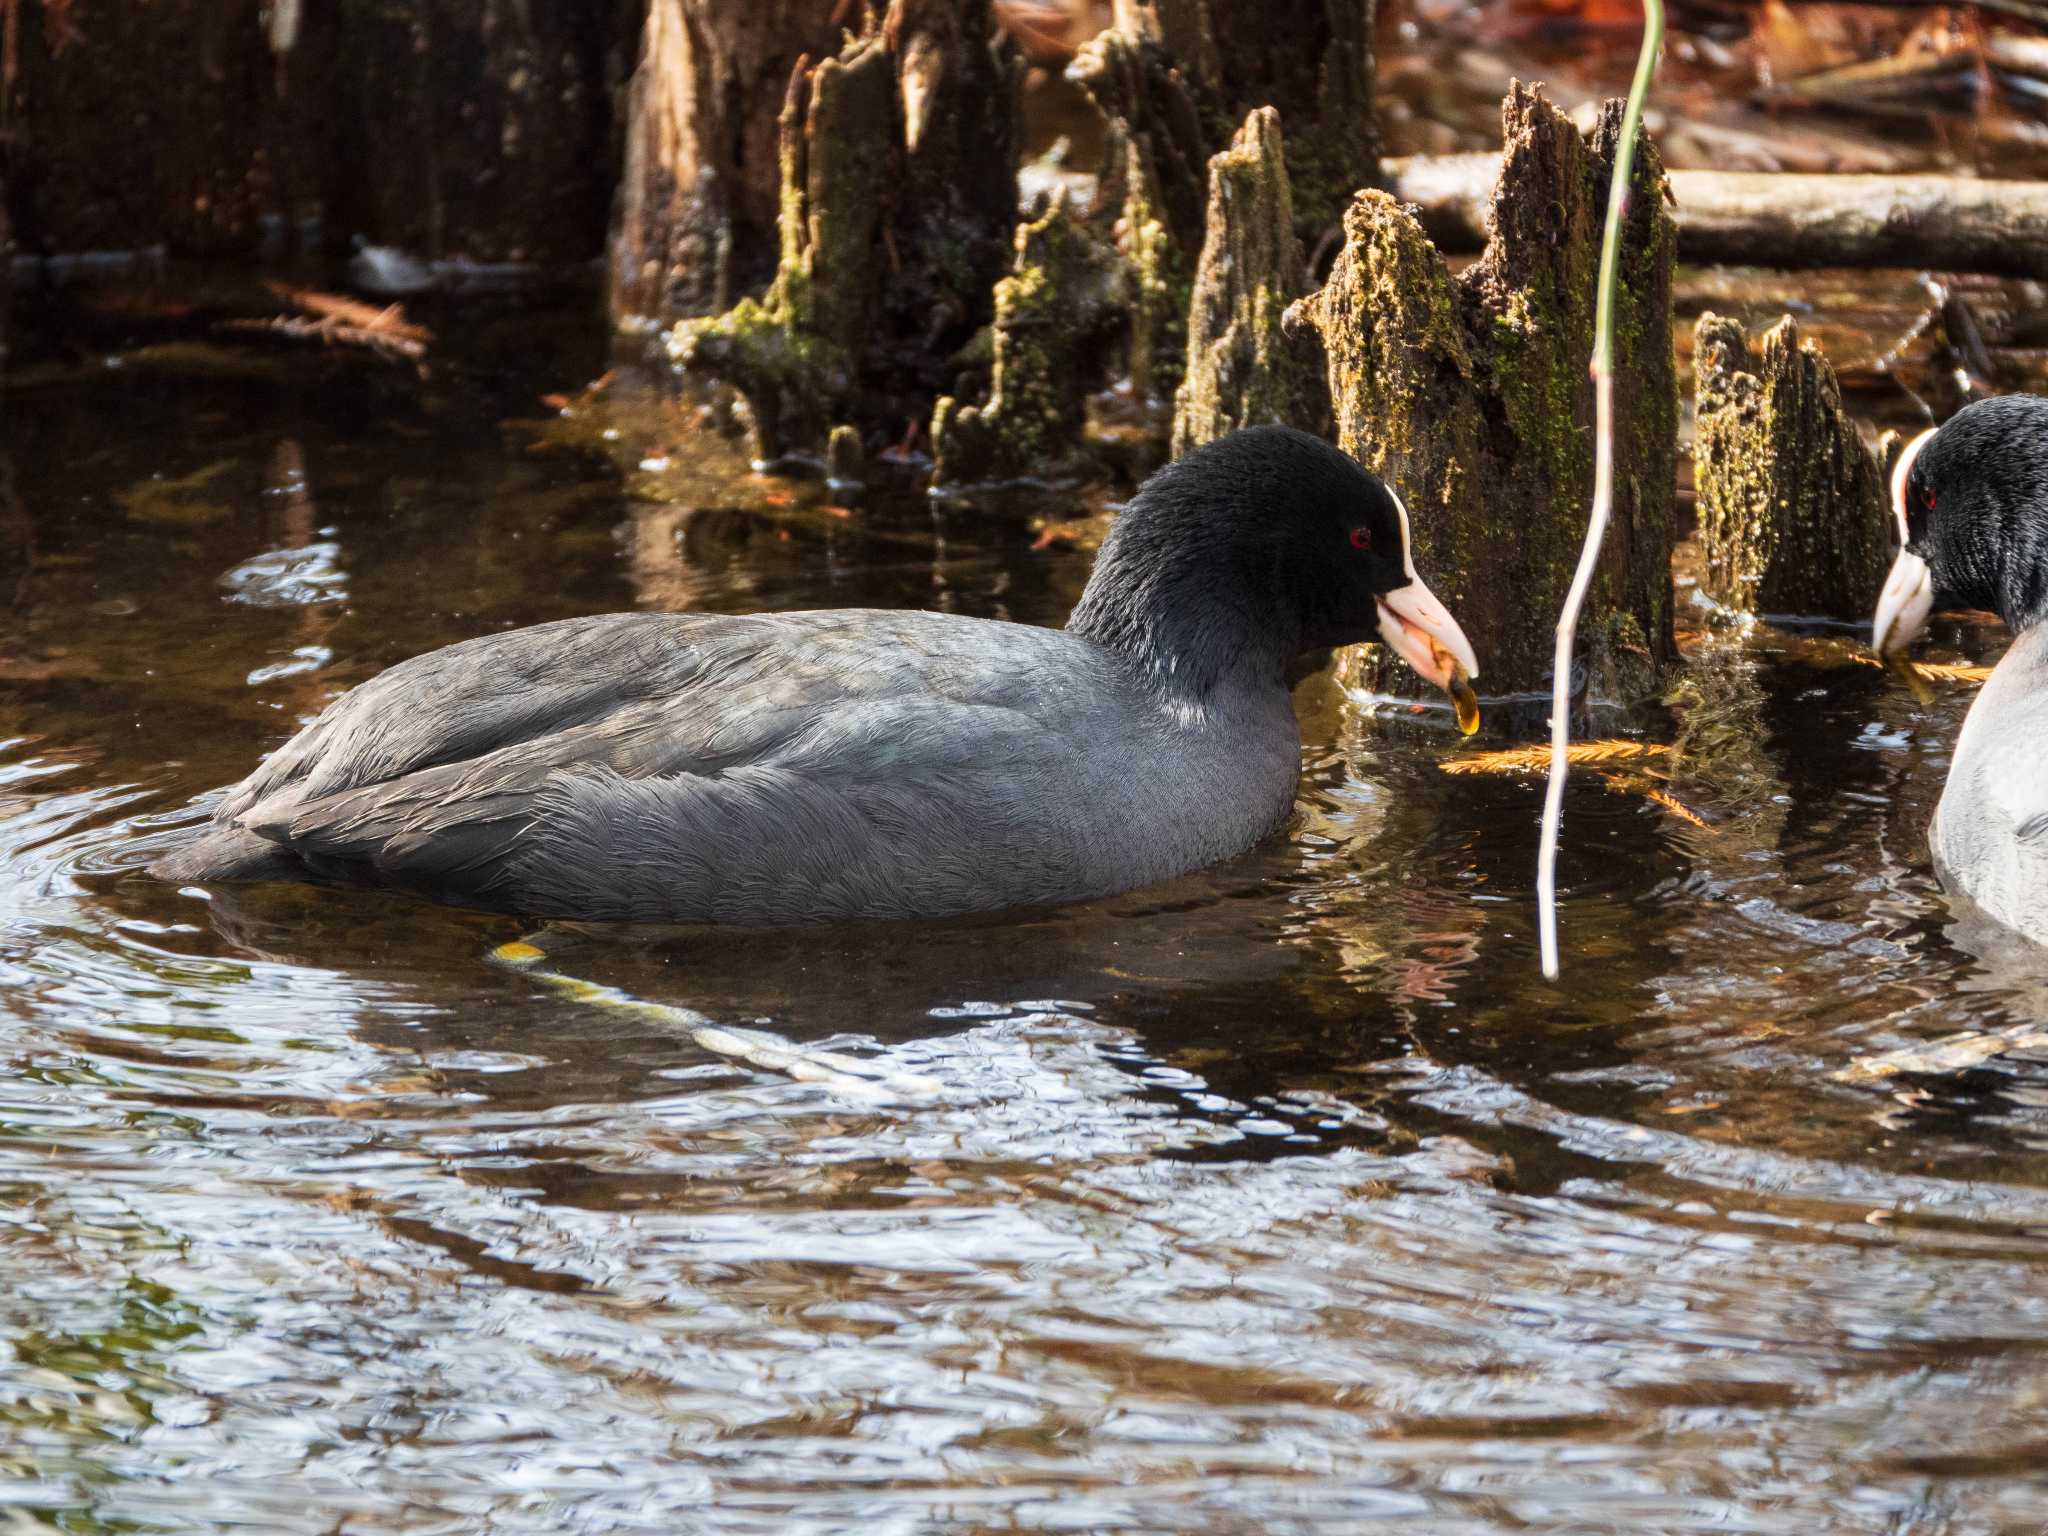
{"x":1761,"y":218}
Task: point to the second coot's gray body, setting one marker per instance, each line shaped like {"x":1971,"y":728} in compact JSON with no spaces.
{"x":1971,"y":501}
{"x":1990,"y":834}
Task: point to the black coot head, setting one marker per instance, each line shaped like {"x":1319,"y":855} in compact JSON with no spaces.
{"x":1971,"y":502}
{"x":1288,"y":533}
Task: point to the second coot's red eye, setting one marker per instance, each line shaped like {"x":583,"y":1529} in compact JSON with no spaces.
{"x":1361,"y":538}
{"x":1926,"y":499}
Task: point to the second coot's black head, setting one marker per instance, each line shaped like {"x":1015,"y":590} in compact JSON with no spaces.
{"x":1256,"y":547}
{"x":1971,"y":501}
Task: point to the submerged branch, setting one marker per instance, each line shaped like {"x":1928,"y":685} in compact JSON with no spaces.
{"x":1784,"y":219}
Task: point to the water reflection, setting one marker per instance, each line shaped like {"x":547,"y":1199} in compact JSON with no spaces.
{"x":1284,"y":1197}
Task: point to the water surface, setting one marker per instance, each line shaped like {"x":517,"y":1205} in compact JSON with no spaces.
{"x":1284,"y":1198}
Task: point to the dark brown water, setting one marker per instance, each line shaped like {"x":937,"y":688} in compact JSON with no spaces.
{"x":1284,"y":1199}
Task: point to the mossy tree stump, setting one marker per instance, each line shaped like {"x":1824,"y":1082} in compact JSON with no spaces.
{"x":1471,"y":396}
{"x":1054,"y":321}
{"x":1792,"y":505}
{"x":699,"y":194}
{"x":1243,"y":368}
{"x":898,"y":205}
{"x":1310,"y":60}
{"x":1174,"y":78}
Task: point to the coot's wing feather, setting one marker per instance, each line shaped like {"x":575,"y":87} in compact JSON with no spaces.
{"x":472,"y":698}
{"x":860,"y":807}
{"x":658,"y":766}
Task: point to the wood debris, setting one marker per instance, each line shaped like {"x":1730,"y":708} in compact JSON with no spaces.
{"x":1635,"y":785}
{"x":1593,"y":754}
{"x":1952,"y":1053}
{"x":337,"y":320}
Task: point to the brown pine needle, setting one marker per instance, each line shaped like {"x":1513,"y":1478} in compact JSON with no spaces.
{"x":1636,"y":784}
{"x":1536,"y":759}
{"x":1945,"y":671}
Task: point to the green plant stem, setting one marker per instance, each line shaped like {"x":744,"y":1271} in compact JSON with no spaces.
{"x":1603,"y":480}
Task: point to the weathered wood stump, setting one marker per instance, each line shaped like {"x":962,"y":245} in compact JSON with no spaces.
{"x":1055,"y":317}
{"x":1310,"y":60}
{"x":1471,"y":396}
{"x":435,"y":126}
{"x":474,"y":132}
{"x":898,"y":205}
{"x":1792,"y":504}
{"x":1172,"y":77}
{"x":700,"y":192}
{"x":1243,"y":368}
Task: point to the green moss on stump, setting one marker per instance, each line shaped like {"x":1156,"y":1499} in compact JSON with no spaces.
{"x":1242,"y":365}
{"x":1054,"y":313}
{"x":897,"y":167}
{"x":1792,"y":505}
{"x":1471,"y":396}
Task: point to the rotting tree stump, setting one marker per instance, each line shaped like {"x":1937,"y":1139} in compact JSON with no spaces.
{"x":1055,"y":317}
{"x":898,"y":206}
{"x":1173,"y":78}
{"x":1791,"y":503}
{"x":474,"y":132}
{"x":700,"y":191}
{"x":1242,"y":366}
{"x":1310,"y":60}
{"x":214,"y":127}
{"x":1472,"y":397}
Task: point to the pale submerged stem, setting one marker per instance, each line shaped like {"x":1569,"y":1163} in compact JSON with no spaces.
{"x":1603,"y":480}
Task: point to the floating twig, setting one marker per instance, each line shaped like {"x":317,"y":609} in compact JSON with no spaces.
{"x":852,"y":1077}
{"x":1636,"y":784}
{"x":340,"y":320}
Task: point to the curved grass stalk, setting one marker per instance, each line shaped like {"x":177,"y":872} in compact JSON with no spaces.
{"x":1603,"y":480}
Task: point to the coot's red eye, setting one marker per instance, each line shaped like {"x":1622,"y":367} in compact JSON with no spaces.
{"x":1927,"y":497}
{"x":1361,"y":538}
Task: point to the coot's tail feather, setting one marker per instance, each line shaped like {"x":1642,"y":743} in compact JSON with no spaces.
{"x":229,"y":853}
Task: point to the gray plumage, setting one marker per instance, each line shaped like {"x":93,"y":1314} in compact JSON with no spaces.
{"x":1990,"y":833}
{"x":793,"y":768}
{"x":1972,"y":506}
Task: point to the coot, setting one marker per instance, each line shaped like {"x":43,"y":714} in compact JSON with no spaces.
{"x":777,"y":769}
{"x":1972,"y":506}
